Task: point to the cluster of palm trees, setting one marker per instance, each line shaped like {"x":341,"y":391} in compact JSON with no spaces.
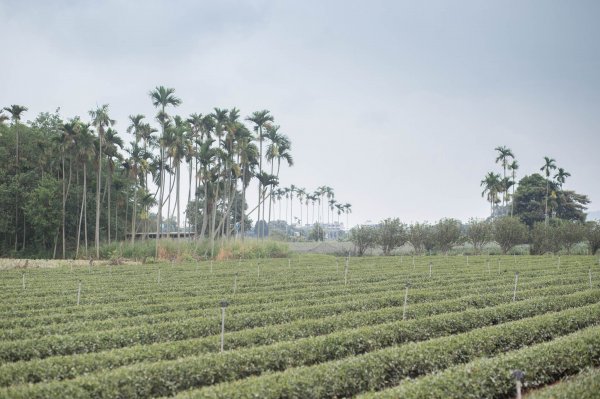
{"x":560,"y":176}
{"x":222,"y":155}
{"x":324,"y":199}
{"x":496,"y":185}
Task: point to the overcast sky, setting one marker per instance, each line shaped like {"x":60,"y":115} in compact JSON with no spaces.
{"x":397,"y":105}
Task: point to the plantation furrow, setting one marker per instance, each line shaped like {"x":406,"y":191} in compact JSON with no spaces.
{"x":585,"y":385}
{"x":386,"y":367}
{"x":71,"y":323}
{"x":543,"y":363}
{"x":71,"y":313}
{"x":184,"y":329}
{"x":63,"y":367}
{"x":344,"y":377}
{"x":150,"y":286}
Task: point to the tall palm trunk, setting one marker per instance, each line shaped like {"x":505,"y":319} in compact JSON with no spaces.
{"x":98,"y":186}
{"x":66,"y":188}
{"x":83,"y":205}
{"x":109,"y":184}
{"x":259,"y":225}
{"x":133,"y":229}
{"x":546,"y":211}
{"x":205,"y":210}
{"x":177,"y":171}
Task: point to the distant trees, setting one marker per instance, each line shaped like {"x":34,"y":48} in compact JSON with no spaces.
{"x":96,"y":179}
{"x":592,"y":236}
{"x":530,"y":201}
{"x":363,"y":238}
{"x":479,"y":233}
{"x":391,"y":234}
{"x":508,"y":232}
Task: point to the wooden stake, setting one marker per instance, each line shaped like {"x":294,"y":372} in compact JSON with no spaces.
{"x":235,"y":283}
{"x":24,"y":281}
{"x":518,"y":375}
{"x":78,"y":293}
{"x":405,"y":300}
{"x":346,"y":274}
{"x":430,"y":269}
{"x":515,"y":290}
{"x":223,"y":306}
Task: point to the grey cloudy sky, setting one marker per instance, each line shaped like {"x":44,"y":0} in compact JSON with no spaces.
{"x":397,"y":105}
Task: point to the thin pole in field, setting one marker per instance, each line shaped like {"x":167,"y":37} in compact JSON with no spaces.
{"x":405,"y":300}
{"x":589,"y":272}
{"x":558,"y":264}
{"x":413,"y":262}
{"x":346,"y":273}
{"x":258,"y":270}
{"x":235,"y":283}
{"x":289,"y":264}
{"x":78,"y":292}
{"x":24,"y":281}
{"x":467,"y":260}
{"x":518,"y":375}
{"x":223,"y":306}
{"x":430,"y":269}
{"x":515,"y":290}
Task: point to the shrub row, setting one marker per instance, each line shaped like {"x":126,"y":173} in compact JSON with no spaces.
{"x":63,"y":367}
{"x":542,"y":364}
{"x":585,"y":385}
{"x":42,"y":347}
{"x":385,"y":368}
{"x":345,"y":303}
{"x":341,"y":378}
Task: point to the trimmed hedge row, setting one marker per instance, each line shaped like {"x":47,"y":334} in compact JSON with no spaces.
{"x":176,"y":299}
{"x":65,"y":367}
{"x":367,"y":301}
{"x":585,"y":385}
{"x":50,"y":303}
{"x":88,"y":313}
{"x":384,"y":368}
{"x":173,"y":331}
{"x":491,"y":378}
{"x":340,"y":378}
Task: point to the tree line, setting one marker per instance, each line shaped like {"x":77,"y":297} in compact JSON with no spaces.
{"x":536,"y":210}
{"x":67,"y":186}
{"x":507,"y":232}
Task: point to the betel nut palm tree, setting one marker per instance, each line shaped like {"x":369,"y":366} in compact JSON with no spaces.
{"x":161,"y":98}
{"x":260,"y":118}
{"x":549,"y":165}
{"x":101,"y":121}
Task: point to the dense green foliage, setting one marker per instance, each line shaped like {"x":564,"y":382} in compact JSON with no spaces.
{"x":67,"y":187}
{"x":295,"y":327}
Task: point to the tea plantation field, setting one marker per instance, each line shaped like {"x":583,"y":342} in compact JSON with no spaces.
{"x":311,"y":326}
